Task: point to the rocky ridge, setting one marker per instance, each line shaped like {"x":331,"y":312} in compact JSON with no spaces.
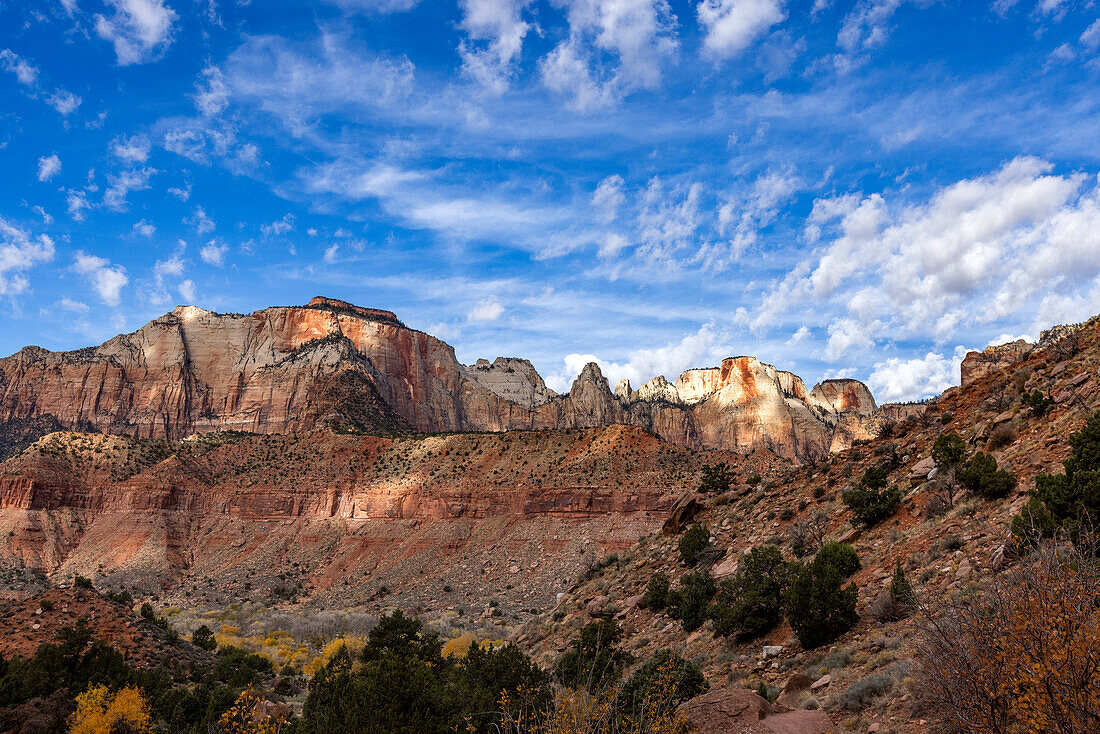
{"x":944,"y":551}
{"x":333,"y":365}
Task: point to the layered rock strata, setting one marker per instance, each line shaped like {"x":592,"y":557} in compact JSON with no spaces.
{"x":330,"y":364}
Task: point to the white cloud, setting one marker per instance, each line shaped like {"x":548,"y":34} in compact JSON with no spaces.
{"x":867,"y":25}
{"x":566,"y":71}
{"x":500,"y":24}
{"x":331,"y":253}
{"x":732,"y":25}
{"x":639,"y":33}
{"x":134,"y":149}
{"x":144,"y":228}
{"x":213,"y":93}
{"x":20,"y":251}
{"x":741,"y":217}
{"x":140,"y":30}
{"x":48,"y":167}
{"x":121,"y":184}
{"x":187,"y":291}
{"x":64,"y":102}
{"x":488,"y":309}
{"x":77,"y":203}
{"x":70,"y":305}
{"x":183,"y":193}
{"x":899,"y":379}
{"x":706,"y":347}
{"x":25,"y":72}
{"x":279,"y":226}
{"x":1090,"y":38}
{"x":200,"y":220}
{"x":374,"y":6}
{"x":213,"y":253}
{"x":608,"y":198}
{"x":799,"y":336}
{"x":981,"y":250}
{"x":106,"y":279}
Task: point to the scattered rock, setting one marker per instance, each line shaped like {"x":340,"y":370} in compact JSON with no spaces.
{"x":770,"y":651}
{"x":822,"y":682}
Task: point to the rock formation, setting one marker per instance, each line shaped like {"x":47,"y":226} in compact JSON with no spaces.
{"x":330,"y":364}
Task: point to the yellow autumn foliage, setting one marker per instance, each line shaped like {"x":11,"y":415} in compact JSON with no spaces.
{"x":99,"y":711}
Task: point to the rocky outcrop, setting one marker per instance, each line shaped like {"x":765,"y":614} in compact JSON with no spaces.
{"x":740,"y":710}
{"x":991,"y":359}
{"x":515,"y":380}
{"x":330,"y":364}
{"x":222,"y":514}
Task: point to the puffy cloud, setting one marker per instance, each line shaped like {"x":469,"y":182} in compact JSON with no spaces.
{"x":144,"y":228}
{"x":20,"y":251}
{"x":134,"y":149}
{"x":1090,"y":38}
{"x":608,"y":198}
{"x":488,"y":309}
{"x":741,"y":217}
{"x":331,"y":253}
{"x":140,"y":30}
{"x":896,"y":379}
{"x":981,"y":250}
{"x":867,"y":25}
{"x":639,"y":33}
{"x":119,"y":186}
{"x":213,"y":253}
{"x":25,"y":72}
{"x":48,"y":167}
{"x":77,"y":203}
{"x":213,"y":93}
{"x":106,"y":279}
{"x":279,"y":226}
{"x":183,"y":193}
{"x":187,"y":291}
{"x":200,"y":220}
{"x":732,"y":25}
{"x":799,"y":336}
{"x":566,"y":71}
{"x":64,"y":102}
{"x":69,"y":304}
{"x":704,"y":347}
{"x":500,"y":24}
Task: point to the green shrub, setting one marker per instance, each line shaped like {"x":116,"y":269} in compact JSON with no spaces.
{"x":1070,"y":501}
{"x":682,"y":676}
{"x":754,"y":480}
{"x":594,"y":659}
{"x":1037,"y":402}
{"x":819,"y":607}
{"x":752,"y":603}
{"x":693,"y":542}
{"x":948,"y":450}
{"x":875,"y":477}
{"x":841,"y":556}
{"x":204,"y":638}
{"x":82,"y":582}
{"x":656,"y":593}
{"x":980,"y":475}
{"x":716,"y":478}
{"x":870,"y":687}
{"x":871,"y":506}
{"x":691,"y":601}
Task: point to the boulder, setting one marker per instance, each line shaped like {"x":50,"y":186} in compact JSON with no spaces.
{"x":681,"y":514}
{"x":793,"y":689}
{"x":740,"y":710}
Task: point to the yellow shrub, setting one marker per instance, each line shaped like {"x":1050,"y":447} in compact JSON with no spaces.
{"x":98,"y":711}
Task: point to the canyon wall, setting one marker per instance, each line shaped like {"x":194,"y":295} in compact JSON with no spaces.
{"x":330,"y":364}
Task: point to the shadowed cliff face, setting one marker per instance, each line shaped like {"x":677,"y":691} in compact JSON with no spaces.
{"x":219,"y":515}
{"x":334,"y":365}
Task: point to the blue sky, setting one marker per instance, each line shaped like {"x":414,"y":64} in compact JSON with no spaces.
{"x":842,"y":189}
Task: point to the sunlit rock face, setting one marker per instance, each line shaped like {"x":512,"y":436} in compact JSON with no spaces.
{"x":330,"y":364}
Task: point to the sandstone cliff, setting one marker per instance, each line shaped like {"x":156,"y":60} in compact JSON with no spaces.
{"x":330,"y":364}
